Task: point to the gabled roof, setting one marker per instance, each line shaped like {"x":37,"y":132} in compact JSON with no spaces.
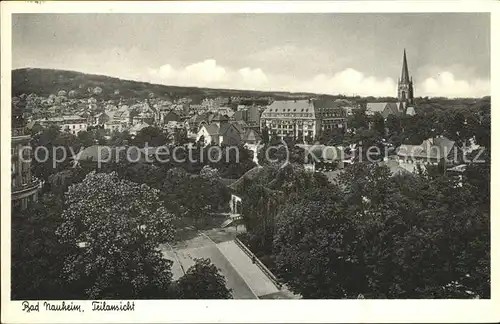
{"x":212,"y":129}
{"x":410,"y":111}
{"x":376,"y":106}
{"x":225,"y":127}
{"x":219,"y":118}
{"x":240,"y":126}
{"x":394,"y":167}
{"x":434,"y":148}
{"x":251,"y":135}
{"x":384,"y":108}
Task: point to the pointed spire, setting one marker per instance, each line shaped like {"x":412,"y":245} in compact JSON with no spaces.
{"x":404,"y":72}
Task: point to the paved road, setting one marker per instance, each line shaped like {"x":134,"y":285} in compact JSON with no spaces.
{"x":245,"y":278}
{"x":240,"y":289}
{"x":249,"y":271}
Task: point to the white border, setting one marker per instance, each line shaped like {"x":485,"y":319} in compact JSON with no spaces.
{"x":239,"y":311}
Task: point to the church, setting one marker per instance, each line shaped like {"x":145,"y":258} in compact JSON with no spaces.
{"x":404,"y":105}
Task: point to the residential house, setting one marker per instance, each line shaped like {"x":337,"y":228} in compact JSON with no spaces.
{"x":171,"y":116}
{"x":431,"y":152}
{"x":100,"y":118}
{"x":114,"y":126}
{"x":72,"y":124}
{"x":220,"y":134}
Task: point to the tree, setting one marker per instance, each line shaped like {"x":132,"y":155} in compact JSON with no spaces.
{"x":265,"y":135}
{"x":37,"y":255}
{"x":203,"y":281}
{"x":142,"y":173}
{"x":180,"y":136}
{"x":54,"y":155}
{"x":358,"y":119}
{"x":384,"y":236}
{"x":310,"y":248}
{"x":209,"y":173}
{"x":153,"y":136}
{"x":118,"y":225}
{"x":120,"y":138}
{"x":193,"y":196}
{"x":58,"y":183}
{"x":379,"y":124}
{"x":234,"y":161}
{"x":393,"y":124}
{"x":85,"y":139}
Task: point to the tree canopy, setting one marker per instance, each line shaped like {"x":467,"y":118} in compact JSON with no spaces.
{"x":119,"y":225}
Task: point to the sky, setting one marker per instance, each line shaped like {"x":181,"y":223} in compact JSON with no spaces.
{"x":333,"y":53}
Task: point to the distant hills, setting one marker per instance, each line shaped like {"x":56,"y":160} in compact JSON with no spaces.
{"x":44,"y":82}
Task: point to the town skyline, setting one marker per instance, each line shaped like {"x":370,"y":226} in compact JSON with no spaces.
{"x":272,"y":61}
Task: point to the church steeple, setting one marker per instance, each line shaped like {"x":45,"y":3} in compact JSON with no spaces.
{"x":405,"y":84}
{"x":405,"y":77}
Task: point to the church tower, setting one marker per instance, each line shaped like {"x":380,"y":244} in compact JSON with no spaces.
{"x":405,"y":84}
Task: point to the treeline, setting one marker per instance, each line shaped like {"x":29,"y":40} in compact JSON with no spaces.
{"x":232,"y":163}
{"x":435,"y":117}
{"x":372,"y":234}
{"x":45,"y":82}
{"x":99,"y":239}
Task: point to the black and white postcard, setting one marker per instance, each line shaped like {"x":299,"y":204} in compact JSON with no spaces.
{"x":169,"y":157}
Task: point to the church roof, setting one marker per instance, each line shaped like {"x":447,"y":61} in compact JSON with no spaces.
{"x":405,"y":76}
{"x":380,"y":107}
{"x":376,"y":106}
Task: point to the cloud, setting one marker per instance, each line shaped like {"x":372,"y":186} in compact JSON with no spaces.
{"x":203,"y":73}
{"x":253,"y":77}
{"x":351,"y":82}
{"x":446,"y":85}
{"x":209,"y":73}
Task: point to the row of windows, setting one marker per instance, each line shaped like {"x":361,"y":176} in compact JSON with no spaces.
{"x":288,"y":122}
{"x":75,"y":126}
{"x":322,"y":115}
{"x":288,"y":133}
{"x":286,"y":115}
{"x":290,"y":110}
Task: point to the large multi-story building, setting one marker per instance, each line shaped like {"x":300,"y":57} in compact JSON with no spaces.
{"x":24,"y":187}
{"x":302,"y":118}
{"x":72,"y":124}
